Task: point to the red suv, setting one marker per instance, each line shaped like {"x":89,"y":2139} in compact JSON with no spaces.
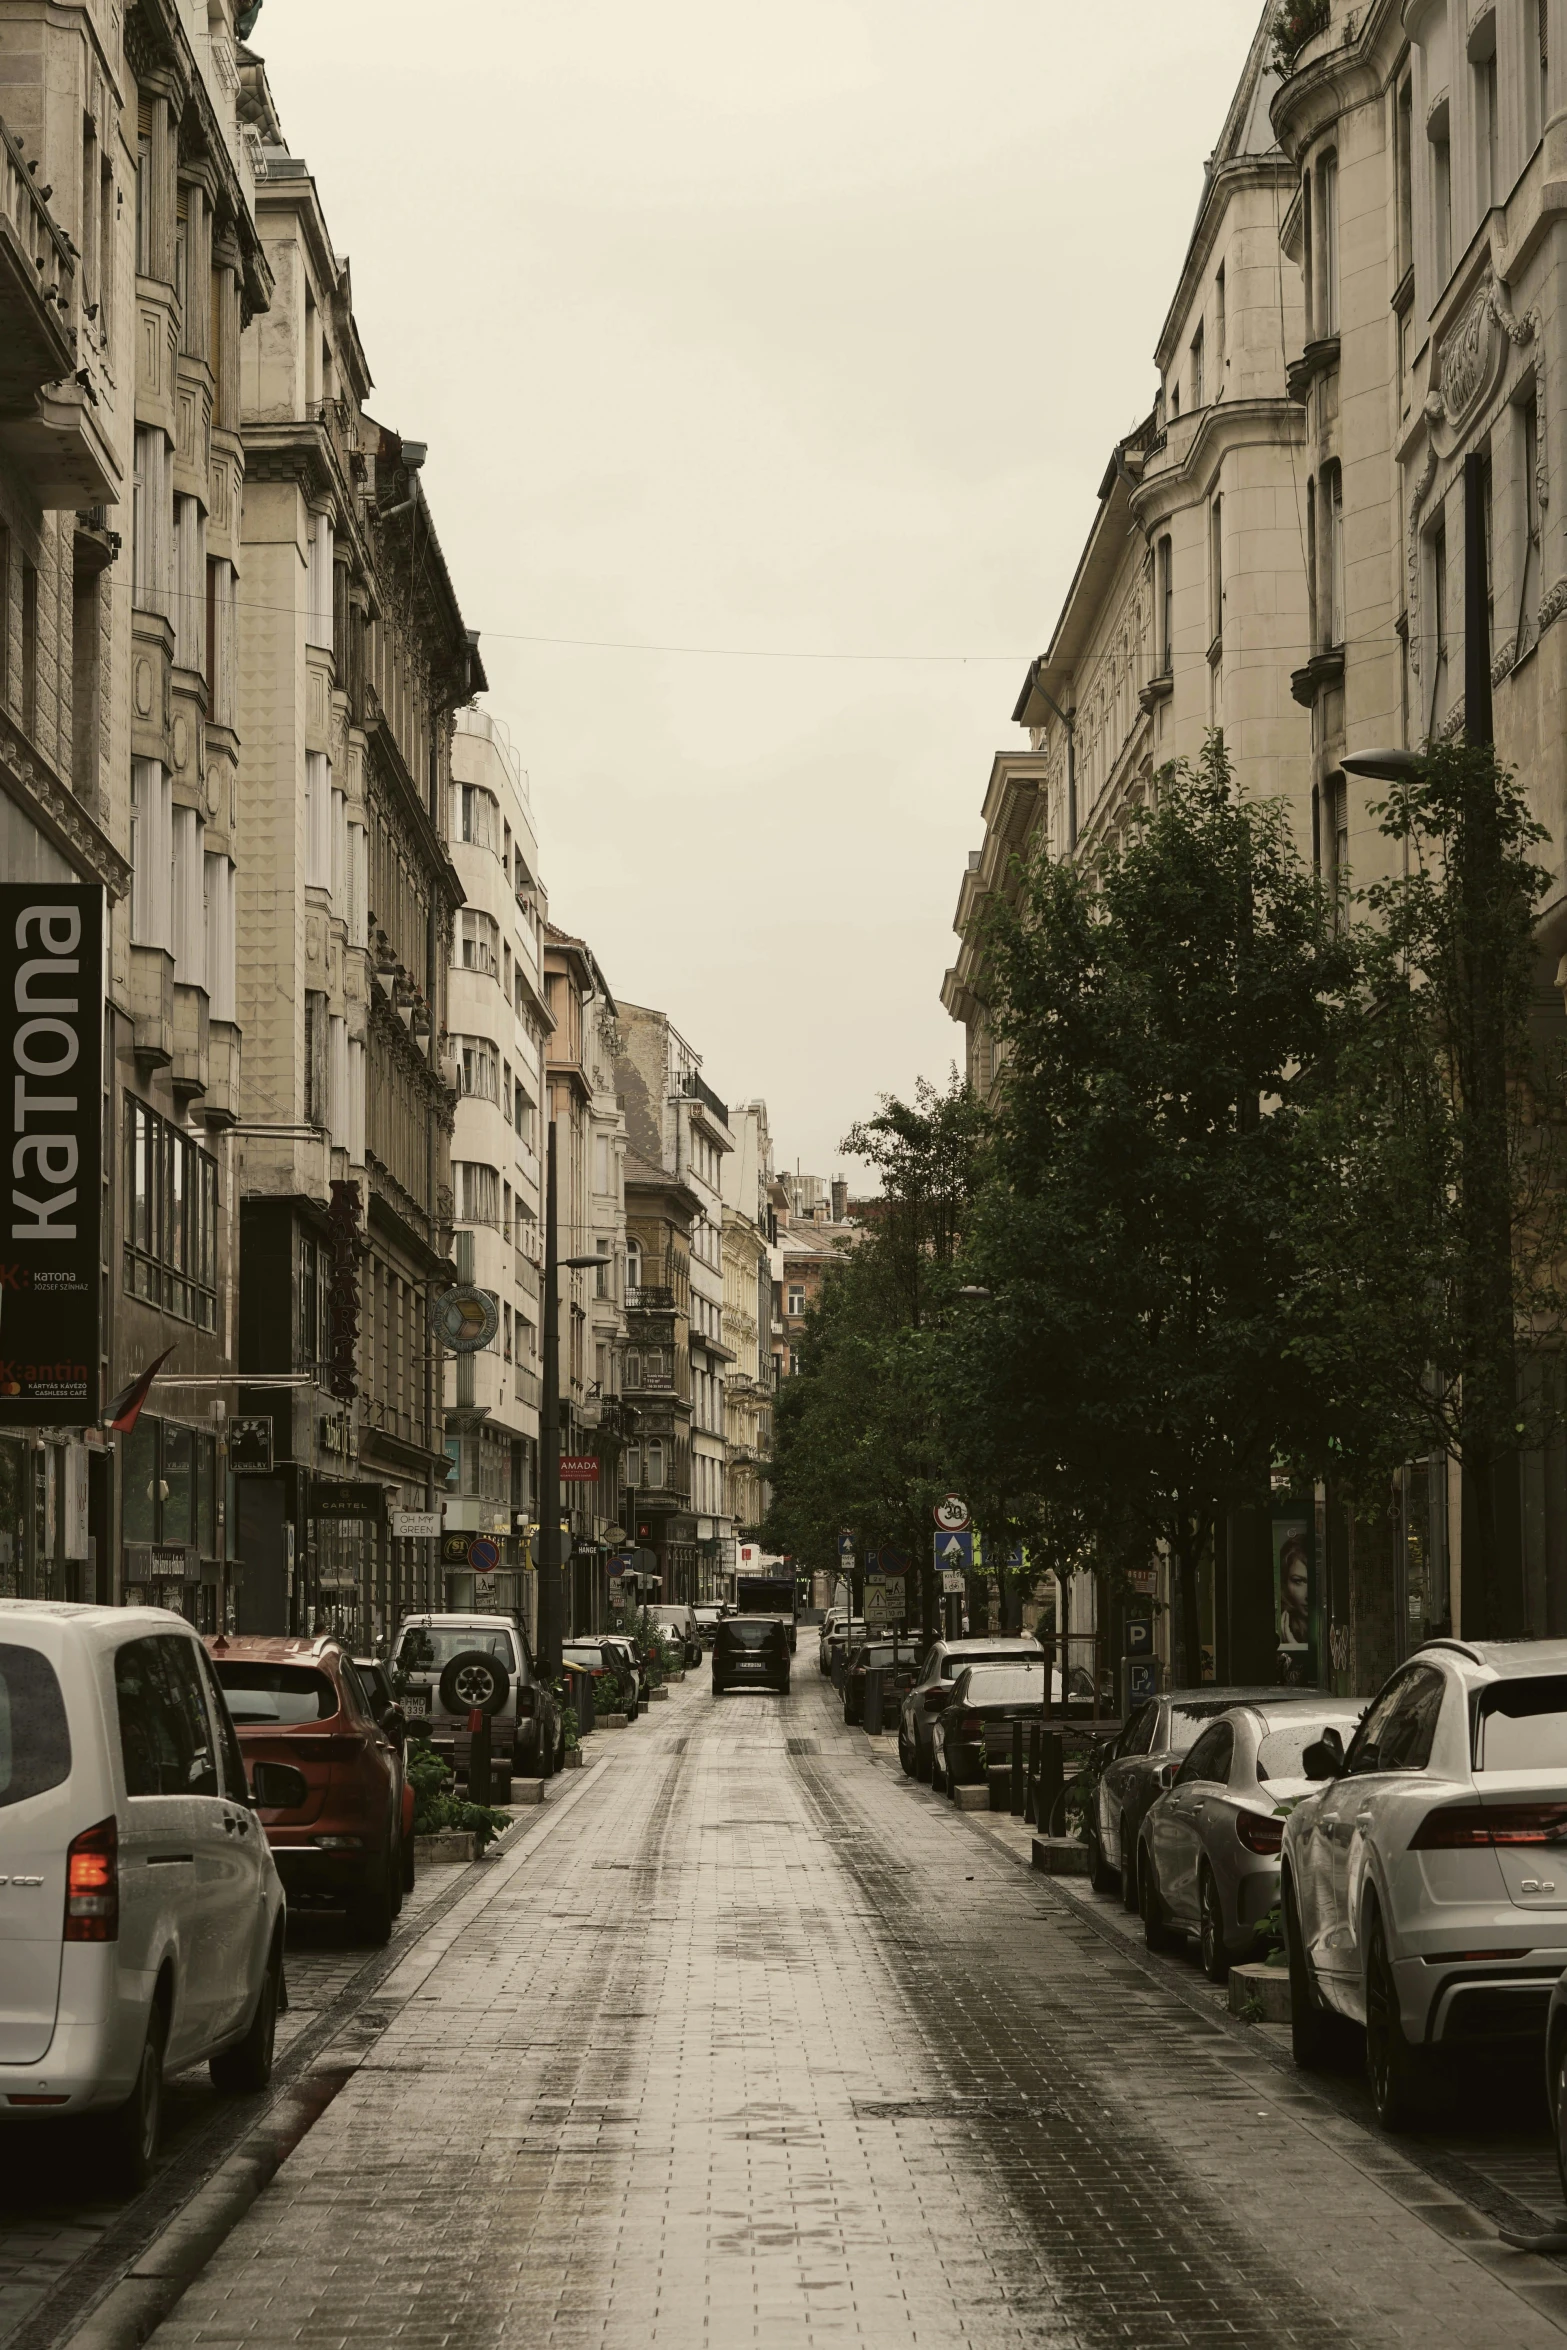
{"x":351,"y":1841}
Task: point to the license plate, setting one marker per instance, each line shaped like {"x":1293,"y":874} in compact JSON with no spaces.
{"x":416,"y":1701}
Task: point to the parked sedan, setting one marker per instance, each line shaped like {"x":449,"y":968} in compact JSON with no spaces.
{"x":708,"y":1619}
{"x":838,"y":1638}
{"x":349,"y":1841}
{"x":614,"y":1689}
{"x":897,"y":1664}
{"x":942,"y":1663}
{"x":1424,"y":1885}
{"x":638,"y":1681}
{"x":974,"y":1729}
{"x":1143,"y":1764}
{"x":1209,"y":1848}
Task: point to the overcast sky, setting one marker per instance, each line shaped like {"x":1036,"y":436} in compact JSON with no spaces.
{"x":785,"y":331}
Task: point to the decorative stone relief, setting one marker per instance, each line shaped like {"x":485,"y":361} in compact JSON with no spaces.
{"x":144,"y":689}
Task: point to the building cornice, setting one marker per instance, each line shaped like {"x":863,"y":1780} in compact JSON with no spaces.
{"x":28,"y":779}
{"x":1335,"y":79}
{"x":1227,"y":425}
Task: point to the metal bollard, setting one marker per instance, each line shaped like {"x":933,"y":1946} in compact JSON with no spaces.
{"x":870,"y":1710}
{"x":479,"y":1757}
{"x":1052,"y":1781}
{"x":1031,"y":1789}
{"x":1017,"y":1790}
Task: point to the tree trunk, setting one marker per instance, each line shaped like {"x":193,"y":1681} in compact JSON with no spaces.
{"x":1189,"y":1549}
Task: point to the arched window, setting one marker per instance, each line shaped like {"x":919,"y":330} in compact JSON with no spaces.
{"x":633,"y":1264}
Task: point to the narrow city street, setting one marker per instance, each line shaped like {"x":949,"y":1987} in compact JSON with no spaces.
{"x":751,"y":2040}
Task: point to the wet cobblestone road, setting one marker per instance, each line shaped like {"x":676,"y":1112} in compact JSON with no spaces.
{"x":765,"y":2045}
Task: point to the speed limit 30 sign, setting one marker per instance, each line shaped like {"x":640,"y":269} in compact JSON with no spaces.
{"x":951,"y":1514}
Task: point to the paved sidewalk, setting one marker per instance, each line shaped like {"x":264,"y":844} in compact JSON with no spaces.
{"x":765,"y":2046}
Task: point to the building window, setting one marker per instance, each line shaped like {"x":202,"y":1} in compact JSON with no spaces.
{"x":171,"y":1219}
{"x":1165,"y":585}
{"x":478,"y":942}
{"x":1403,"y":131}
{"x":152,"y":855}
{"x":318,"y":820}
{"x":1330,"y":531}
{"x":1216,"y":568}
{"x":1441,"y":198}
{"x":632,"y":1472}
{"x":797,"y":1301}
{"x":1482,"y":69}
{"x":1197,"y":368}
{"x":478,"y":816}
{"x":655,"y":1461}
{"x":1527,"y":443}
{"x":1438,"y":626}
{"x":1327,"y":246}
{"x":1220,"y":323}
{"x":480,"y":1064}
{"x":478,"y":1192}
{"x":29,"y":649}
{"x":633,"y":1265}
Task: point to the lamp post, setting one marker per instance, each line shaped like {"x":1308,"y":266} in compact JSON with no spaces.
{"x":551,"y":1597}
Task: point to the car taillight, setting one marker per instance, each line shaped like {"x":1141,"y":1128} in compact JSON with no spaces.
{"x":1258,"y":1832}
{"x":92,"y":1885}
{"x":527,"y":1699}
{"x":969,"y":1725}
{"x":1464,"y":1827}
{"x":935,"y":1699}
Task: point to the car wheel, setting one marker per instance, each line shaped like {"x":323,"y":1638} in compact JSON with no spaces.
{"x":906,"y":1760}
{"x":1311,"y":2026}
{"x":1210,"y":1937}
{"x":1395,"y":2070}
{"x":1128,"y":1870}
{"x":130,"y":2134}
{"x":370,"y":1908}
{"x":1101,"y":1875}
{"x":1158,"y":1932}
{"x":247,"y":2067}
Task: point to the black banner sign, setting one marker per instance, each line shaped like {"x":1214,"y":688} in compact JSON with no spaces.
{"x":51,"y":1006}
{"x":250,"y":1446}
{"x":330,"y":1499}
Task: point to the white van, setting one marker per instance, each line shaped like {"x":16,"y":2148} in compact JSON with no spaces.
{"x":141,"y":1915}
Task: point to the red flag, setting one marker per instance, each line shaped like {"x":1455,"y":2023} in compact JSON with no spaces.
{"x":125,"y":1410}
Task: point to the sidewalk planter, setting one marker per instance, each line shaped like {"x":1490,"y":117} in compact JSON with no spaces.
{"x":660,"y":1696}
{"x":613,"y":1721}
{"x":999,"y":1786}
{"x":971,"y":1798}
{"x":1265,"y":1987}
{"x":1060,"y":1856}
{"x":452,"y":1844}
{"x":527,"y":1790}
{"x":575,"y":1758}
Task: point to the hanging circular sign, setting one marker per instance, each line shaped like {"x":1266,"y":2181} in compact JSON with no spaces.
{"x":484,"y":1554}
{"x":466,"y":1319}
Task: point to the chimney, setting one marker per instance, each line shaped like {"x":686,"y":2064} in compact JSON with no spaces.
{"x":840,"y":1199}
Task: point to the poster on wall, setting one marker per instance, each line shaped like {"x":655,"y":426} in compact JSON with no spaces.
{"x":51,"y":1007}
{"x":1295,"y":1595}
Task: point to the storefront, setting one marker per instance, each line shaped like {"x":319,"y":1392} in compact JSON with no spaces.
{"x":172,"y":1520}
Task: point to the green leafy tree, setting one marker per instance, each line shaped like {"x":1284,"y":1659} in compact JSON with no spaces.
{"x":858,"y":1431}
{"x":1162,"y":1018}
{"x":1432,"y":1217}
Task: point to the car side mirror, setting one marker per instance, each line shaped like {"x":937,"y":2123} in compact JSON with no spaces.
{"x":277,"y":1786}
{"x":1324,"y":1757}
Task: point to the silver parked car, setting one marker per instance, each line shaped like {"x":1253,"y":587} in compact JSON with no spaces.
{"x":1208,"y":1858}
{"x":1143,"y":1763}
{"x":932,"y":1691}
{"x":1425,"y":1895}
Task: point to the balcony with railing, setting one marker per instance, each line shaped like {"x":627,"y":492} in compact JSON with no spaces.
{"x":48,"y":398}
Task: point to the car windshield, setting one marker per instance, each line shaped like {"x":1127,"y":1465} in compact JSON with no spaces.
{"x":580,"y":1652}
{"x":35,"y":1740}
{"x":1281,"y":1754}
{"x":951,"y":1665}
{"x":1522,"y":1725}
{"x":259,"y":1692}
{"x":750,"y":1632}
{"x":1008,"y":1684}
{"x":428,"y":1648}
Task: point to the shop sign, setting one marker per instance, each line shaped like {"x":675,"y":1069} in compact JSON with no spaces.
{"x":415,"y":1525}
{"x":250,"y":1446}
{"x":358,"y":1503}
{"x":51,"y":1017}
{"x":579,"y":1468}
{"x":179,"y":1560}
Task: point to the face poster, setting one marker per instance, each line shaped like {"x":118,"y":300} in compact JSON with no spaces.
{"x":1294,"y":1597}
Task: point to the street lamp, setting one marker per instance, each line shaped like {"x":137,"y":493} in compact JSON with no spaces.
{"x":1384,"y":766}
{"x":551,"y":1598}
